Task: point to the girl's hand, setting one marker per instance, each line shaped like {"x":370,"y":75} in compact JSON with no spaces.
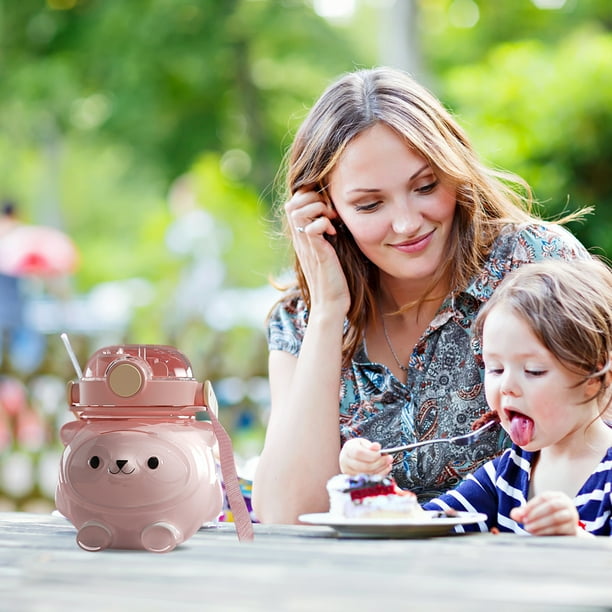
{"x":360,"y":456}
{"x":310,"y":218}
{"x":551,"y":513}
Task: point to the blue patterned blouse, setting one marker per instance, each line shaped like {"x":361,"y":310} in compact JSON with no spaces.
{"x":443,"y":394}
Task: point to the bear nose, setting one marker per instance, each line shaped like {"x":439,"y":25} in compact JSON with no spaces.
{"x":121,"y":463}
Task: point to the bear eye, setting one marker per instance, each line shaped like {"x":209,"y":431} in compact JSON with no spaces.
{"x":94,"y":462}
{"x":153,"y":462}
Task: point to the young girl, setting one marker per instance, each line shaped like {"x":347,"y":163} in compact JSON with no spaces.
{"x":400,"y":235}
{"x":546,"y":337}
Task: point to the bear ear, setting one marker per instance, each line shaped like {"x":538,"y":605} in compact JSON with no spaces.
{"x":69,"y":430}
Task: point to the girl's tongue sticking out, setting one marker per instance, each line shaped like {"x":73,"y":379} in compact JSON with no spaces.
{"x":521,"y":429}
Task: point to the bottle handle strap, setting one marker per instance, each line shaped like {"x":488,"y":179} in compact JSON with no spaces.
{"x":242,"y":519}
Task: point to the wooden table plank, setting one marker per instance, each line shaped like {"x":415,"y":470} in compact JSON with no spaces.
{"x":297,"y":568}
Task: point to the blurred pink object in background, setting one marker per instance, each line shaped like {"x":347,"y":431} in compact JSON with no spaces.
{"x":37,"y":250}
{"x":30,"y":430}
{"x":6,"y":434}
{"x":13,"y":396}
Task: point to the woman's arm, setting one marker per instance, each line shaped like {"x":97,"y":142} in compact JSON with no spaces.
{"x":303,"y":439}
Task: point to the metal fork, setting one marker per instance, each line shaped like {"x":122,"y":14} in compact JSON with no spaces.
{"x":464,"y":440}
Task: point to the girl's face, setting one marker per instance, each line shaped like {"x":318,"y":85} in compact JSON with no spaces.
{"x":398,"y":212}
{"x":540,"y":402}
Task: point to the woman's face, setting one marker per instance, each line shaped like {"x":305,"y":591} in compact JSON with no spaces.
{"x":396,"y":209}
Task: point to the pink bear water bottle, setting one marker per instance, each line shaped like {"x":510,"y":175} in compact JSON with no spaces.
{"x":139,"y":467}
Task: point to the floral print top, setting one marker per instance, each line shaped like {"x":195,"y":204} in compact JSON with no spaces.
{"x":444,"y":393}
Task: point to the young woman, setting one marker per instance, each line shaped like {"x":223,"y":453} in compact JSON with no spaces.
{"x":400,"y":235}
{"x":546,"y":337}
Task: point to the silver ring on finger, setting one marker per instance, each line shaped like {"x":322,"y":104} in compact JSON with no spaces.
{"x":300,"y":229}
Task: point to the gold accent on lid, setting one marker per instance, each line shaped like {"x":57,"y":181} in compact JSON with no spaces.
{"x":125,"y":379}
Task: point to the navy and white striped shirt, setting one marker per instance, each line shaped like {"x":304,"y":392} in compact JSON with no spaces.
{"x":503,"y":484}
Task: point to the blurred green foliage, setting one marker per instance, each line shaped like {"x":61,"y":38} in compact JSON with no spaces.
{"x":533,"y":88}
{"x":103,"y":105}
{"x":120,"y":119}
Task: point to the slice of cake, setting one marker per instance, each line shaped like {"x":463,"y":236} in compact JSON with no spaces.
{"x":367,"y":496}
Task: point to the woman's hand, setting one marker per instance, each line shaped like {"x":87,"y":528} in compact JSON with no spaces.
{"x":360,"y":456}
{"x":310,"y":220}
{"x":551,"y":513}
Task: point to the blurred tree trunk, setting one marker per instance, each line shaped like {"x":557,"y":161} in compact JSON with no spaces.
{"x":399,"y":41}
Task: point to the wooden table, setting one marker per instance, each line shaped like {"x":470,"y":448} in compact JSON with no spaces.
{"x":300,"y":569}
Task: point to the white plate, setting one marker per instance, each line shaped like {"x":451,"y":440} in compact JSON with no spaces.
{"x":393,"y":527}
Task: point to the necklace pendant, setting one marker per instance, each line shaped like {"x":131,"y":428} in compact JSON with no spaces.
{"x":388,"y":340}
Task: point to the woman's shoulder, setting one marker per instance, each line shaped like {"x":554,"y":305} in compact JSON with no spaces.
{"x":529,"y":242}
{"x":291,"y":304}
{"x":518,"y":244}
{"x":287,"y":323}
